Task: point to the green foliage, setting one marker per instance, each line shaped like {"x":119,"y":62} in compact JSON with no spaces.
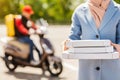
{"x":55,"y":11}
{"x":8,"y":6}
{"x":118,"y":1}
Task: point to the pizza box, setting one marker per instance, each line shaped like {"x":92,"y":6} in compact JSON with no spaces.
{"x":110,"y":55}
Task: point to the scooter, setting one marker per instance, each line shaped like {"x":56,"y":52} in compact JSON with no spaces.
{"x":19,"y":56}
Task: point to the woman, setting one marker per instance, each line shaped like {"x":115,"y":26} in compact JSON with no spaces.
{"x":95,"y":20}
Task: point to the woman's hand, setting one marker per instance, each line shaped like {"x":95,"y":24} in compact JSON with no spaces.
{"x":64,"y":45}
{"x":117,"y":46}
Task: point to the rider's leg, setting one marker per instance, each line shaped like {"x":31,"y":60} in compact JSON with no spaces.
{"x":31,"y":44}
{"x":38,"y":51}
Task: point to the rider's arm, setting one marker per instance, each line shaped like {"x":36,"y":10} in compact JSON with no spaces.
{"x":21,"y":27}
{"x":34,"y":26}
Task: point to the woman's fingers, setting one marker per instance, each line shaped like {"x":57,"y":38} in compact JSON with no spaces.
{"x":117,"y":46}
{"x":64,"y":45}
{"x":113,"y":44}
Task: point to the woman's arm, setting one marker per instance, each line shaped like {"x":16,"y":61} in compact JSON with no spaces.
{"x":117,"y":45}
{"x":118,"y":33}
{"x":75,"y":32}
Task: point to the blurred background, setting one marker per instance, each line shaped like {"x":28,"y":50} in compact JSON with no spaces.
{"x":55,"y":11}
{"x":58,"y":15}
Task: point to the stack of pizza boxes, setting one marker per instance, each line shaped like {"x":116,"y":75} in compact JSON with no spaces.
{"x":90,"y":49}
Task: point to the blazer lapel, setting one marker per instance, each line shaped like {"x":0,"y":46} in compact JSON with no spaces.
{"x":90,"y":19}
{"x":108,"y":15}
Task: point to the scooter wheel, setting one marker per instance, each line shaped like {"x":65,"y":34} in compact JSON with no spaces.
{"x":9,"y":62}
{"x":55,"y":68}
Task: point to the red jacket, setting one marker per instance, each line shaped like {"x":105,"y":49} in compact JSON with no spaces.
{"x":21,"y":27}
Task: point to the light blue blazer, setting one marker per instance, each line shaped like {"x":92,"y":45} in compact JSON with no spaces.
{"x":83,"y":27}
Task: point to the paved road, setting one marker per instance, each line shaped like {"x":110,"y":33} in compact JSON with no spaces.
{"x":56,"y":34}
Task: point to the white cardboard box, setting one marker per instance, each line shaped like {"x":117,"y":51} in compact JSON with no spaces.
{"x":67,"y":55}
{"x":88,"y":43}
{"x":92,"y":49}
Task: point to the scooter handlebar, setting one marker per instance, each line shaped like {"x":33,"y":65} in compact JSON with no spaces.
{"x":41,"y":30}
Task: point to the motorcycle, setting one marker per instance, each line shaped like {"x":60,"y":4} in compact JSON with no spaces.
{"x":17,"y":54}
